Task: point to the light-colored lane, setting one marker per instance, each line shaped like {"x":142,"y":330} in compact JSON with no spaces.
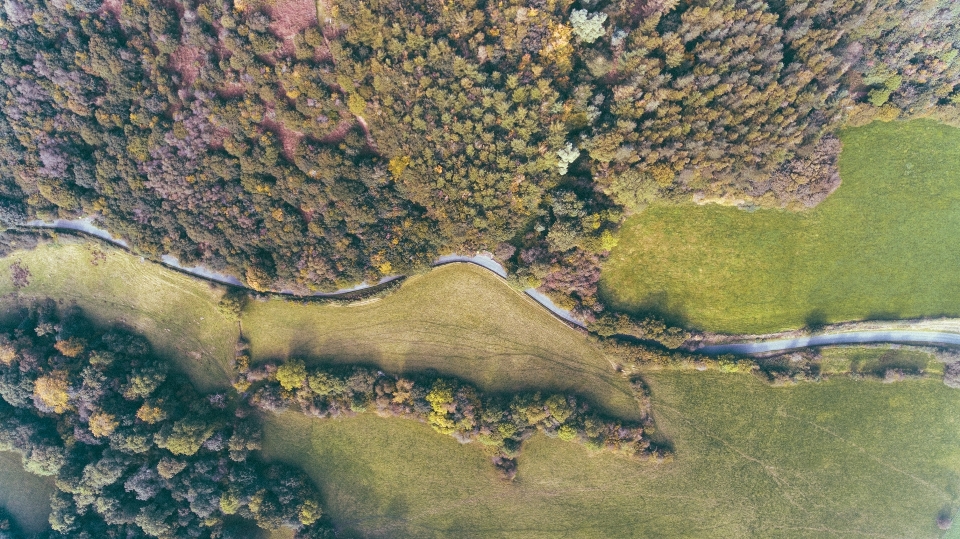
{"x":483,"y":260}
{"x":852,"y":337}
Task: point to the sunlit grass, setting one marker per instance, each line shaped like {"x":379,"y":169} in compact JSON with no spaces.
{"x":176,"y":313}
{"x":837,"y":459}
{"x":885,"y":244}
{"x":459,"y":320}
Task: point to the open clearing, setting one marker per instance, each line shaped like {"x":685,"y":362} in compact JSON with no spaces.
{"x":459,"y":320}
{"x":875,"y":360}
{"x":837,"y":459}
{"x":886,"y":244}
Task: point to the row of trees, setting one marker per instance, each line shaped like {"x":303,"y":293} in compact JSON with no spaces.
{"x":303,"y":153}
{"x":134,"y":449}
{"x":449,"y":406}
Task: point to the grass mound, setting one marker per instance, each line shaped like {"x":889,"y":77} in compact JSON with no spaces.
{"x":886,"y":244}
{"x":459,"y":320}
{"x":836,"y":459}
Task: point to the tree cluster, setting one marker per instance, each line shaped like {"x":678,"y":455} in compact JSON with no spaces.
{"x":305,"y":151}
{"x":646,"y":329}
{"x":135,"y":450}
{"x":449,"y":406}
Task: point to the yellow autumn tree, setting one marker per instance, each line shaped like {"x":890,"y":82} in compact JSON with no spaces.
{"x":51,"y":389}
{"x":7,"y":354}
{"x":441,"y":403}
{"x":151,"y":414}
{"x":102,"y":424}
{"x":72,"y":347}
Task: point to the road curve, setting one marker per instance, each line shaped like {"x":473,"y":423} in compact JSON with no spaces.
{"x":485,"y":261}
{"x":86,"y":226}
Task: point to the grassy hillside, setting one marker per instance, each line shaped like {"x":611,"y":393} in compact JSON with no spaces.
{"x":24,"y":495}
{"x":836,"y":459}
{"x":885,"y":244}
{"x":459,"y":320}
{"x":177,"y":313}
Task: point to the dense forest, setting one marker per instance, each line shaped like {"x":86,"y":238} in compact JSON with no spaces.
{"x":134,"y":449}
{"x":305,"y":146}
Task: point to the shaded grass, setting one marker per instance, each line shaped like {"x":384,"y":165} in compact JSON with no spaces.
{"x":886,"y":244}
{"x":24,"y":495}
{"x":875,"y":360}
{"x":459,"y":320}
{"x":176,"y":313}
{"x":836,"y":459}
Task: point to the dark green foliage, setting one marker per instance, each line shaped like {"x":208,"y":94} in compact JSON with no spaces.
{"x":649,"y":329}
{"x":136,"y":452}
{"x":8,"y":528}
{"x":396,"y":130}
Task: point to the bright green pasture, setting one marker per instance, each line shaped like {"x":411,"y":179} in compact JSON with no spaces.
{"x":176,"y":313}
{"x":459,"y":320}
{"x":886,"y":244}
{"x":836,"y":459}
{"x":26,"y":497}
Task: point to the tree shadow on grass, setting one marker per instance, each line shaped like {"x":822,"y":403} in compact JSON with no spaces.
{"x":659,"y":305}
{"x":815,"y":320}
{"x":883,"y":315}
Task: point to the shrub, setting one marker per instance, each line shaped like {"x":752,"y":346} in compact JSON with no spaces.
{"x":292,"y":374}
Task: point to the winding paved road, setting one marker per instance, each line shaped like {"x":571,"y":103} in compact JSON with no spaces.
{"x":773,"y":345}
{"x":86,"y":226}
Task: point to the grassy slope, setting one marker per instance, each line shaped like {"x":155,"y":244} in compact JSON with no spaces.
{"x":836,"y":459}
{"x":886,"y":244}
{"x":746,"y":452}
{"x":176,"y":313}
{"x":24,"y":495}
{"x":460,"y":320}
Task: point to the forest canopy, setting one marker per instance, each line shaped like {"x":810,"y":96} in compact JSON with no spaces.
{"x":305,"y":146}
{"x":135,"y":450}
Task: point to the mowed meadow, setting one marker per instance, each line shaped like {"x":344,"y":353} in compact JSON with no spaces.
{"x":458,"y":320}
{"x":834,"y":459}
{"x":886,"y":244}
{"x":841,"y":458}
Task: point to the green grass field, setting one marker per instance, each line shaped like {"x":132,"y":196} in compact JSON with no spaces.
{"x":877,"y":359}
{"x":177,"y":313}
{"x":885,"y":244}
{"x":460,"y":320}
{"x":26,"y":497}
{"x":835,"y":459}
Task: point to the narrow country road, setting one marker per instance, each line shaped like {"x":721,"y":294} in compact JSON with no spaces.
{"x":86,"y":226}
{"x":852,"y":337}
{"x":905,"y":336}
